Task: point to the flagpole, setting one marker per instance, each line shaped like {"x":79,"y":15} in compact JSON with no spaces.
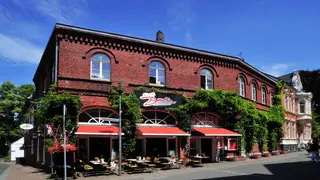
{"x":64,"y":142}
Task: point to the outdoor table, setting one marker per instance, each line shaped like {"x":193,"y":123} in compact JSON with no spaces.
{"x":98,"y":163}
{"x":200,"y":158}
{"x":139,"y":161}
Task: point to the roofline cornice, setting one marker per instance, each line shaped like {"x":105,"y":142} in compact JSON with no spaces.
{"x":235,"y":60}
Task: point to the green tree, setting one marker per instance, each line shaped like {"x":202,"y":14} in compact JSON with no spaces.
{"x":50,"y":111}
{"x":131,"y":115}
{"x":311,"y":83}
{"x":12,"y":100}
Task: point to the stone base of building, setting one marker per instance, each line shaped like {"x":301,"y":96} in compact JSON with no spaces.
{"x":289,"y":145}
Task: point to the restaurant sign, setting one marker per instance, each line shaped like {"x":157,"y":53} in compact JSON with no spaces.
{"x":157,"y":99}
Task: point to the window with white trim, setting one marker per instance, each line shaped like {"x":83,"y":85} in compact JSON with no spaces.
{"x":100,"y":67}
{"x":206,"y":79}
{"x":264,"y":96}
{"x":157,"y":73}
{"x":242,"y":90}
{"x":287,"y":129}
{"x":292,"y":104}
{"x":286,"y":102}
{"x":302,"y":107}
{"x":271,"y":98}
{"x":293,"y":133}
{"x":253,"y":92}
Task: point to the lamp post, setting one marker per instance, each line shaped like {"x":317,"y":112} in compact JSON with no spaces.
{"x":120,"y":146}
{"x":64,"y":142}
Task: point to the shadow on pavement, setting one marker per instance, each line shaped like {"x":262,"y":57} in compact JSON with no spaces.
{"x":293,"y":171}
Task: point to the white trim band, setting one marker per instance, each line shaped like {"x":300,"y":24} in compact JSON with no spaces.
{"x":88,"y":133}
{"x":153,"y":134}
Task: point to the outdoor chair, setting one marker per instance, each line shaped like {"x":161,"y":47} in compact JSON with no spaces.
{"x":87,"y":170}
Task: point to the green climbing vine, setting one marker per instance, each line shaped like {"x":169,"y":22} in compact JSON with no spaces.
{"x":276,"y":118}
{"x":254,"y":125}
{"x":131,"y":114}
{"x":49,"y":111}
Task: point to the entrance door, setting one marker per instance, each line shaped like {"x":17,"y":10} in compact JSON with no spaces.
{"x":99,"y":147}
{"x":206,"y":147}
{"x":156,"y":147}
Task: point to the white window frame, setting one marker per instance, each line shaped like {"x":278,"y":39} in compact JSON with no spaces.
{"x":206,"y":78}
{"x":254,"y":92}
{"x":101,"y":62}
{"x":288,"y":129}
{"x":292,"y":104}
{"x":263,"y":96}
{"x":293,"y":134}
{"x":157,"y":69}
{"x":242,"y":88}
{"x":286,"y":102}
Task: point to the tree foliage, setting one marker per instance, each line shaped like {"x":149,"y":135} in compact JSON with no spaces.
{"x":12,"y":100}
{"x":49,"y":111}
{"x":131,"y":114}
{"x":311,"y":83}
{"x":253,"y":125}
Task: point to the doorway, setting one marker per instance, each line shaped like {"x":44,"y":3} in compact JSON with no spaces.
{"x":156,"y":147}
{"x":99,"y":147}
{"x":206,"y":147}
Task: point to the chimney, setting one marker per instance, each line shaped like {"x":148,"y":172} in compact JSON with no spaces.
{"x":160,"y":36}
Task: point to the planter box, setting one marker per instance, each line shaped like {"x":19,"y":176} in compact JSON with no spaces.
{"x":275,"y":153}
{"x":236,"y":158}
{"x":283,"y":152}
{"x":255,"y":156}
{"x":266,"y":154}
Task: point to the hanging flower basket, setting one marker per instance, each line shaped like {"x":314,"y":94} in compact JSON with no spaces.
{"x":60,"y":148}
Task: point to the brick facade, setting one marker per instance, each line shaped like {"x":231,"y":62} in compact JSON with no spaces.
{"x":129,"y":65}
{"x":67,"y":61}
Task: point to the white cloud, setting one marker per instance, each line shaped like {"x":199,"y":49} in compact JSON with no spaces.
{"x":181,"y":19}
{"x":19,"y":50}
{"x":62,"y":11}
{"x":276,"y":69}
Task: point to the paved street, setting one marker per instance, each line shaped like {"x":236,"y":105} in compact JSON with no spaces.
{"x":294,"y":166}
{"x":3,"y":167}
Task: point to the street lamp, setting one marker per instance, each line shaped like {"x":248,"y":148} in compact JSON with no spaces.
{"x":120,"y":90}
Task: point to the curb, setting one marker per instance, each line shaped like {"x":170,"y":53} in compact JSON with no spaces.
{"x":4,"y":175}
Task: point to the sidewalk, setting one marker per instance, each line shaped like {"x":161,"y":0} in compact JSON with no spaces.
{"x":17,"y":172}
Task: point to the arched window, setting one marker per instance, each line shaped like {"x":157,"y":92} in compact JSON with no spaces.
{"x":100,"y":66}
{"x":254,"y":92}
{"x":271,"y":98}
{"x":263,"y":93}
{"x":302,"y":107}
{"x":98,"y":115}
{"x":242,"y":90}
{"x":157,"y":73}
{"x":206,"y":79}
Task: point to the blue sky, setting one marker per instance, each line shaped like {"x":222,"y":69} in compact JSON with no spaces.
{"x":276,"y":37}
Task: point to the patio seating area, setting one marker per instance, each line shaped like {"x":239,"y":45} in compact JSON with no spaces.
{"x":99,"y":167}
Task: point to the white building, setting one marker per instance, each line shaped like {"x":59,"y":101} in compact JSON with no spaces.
{"x":15,"y":149}
{"x":302,"y":108}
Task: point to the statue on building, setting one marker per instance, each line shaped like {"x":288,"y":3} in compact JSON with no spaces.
{"x":296,"y":81}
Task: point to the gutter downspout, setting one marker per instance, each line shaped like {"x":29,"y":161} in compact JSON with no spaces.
{"x":56,"y":61}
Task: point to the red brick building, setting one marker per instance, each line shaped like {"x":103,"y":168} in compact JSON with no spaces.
{"x":87,"y":62}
